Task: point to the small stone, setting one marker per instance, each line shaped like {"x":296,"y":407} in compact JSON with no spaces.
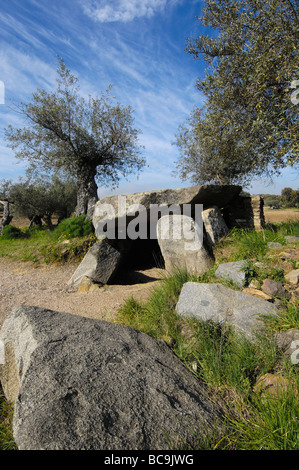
{"x":288,"y":341}
{"x":292,"y":239}
{"x":254,"y":284}
{"x":85,"y":285}
{"x":271,"y":384}
{"x":233,"y":271}
{"x":275,"y":289}
{"x":290,"y":253}
{"x":292,"y":277}
{"x":257,"y":293}
{"x":274,"y":245}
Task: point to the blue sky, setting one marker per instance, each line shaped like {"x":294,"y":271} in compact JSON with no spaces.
{"x":136,"y":45}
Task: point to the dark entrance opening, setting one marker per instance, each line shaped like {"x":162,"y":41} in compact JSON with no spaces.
{"x":140,"y":262}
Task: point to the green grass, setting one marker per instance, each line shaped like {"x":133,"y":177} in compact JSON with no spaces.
{"x":228,"y":364}
{"x":248,"y":244}
{"x":71,"y":240}
{"x":6,"y":416}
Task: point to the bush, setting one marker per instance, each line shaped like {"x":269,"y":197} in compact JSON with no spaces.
{"x":74,"y":227}
{"x":10,"y":232}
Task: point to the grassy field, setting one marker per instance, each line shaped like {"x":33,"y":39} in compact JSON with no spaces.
{"x":281,"y":215}
{"x":230,"y":367}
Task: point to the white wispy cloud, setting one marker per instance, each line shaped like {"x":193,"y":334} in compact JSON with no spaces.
{"x":123,"y":10}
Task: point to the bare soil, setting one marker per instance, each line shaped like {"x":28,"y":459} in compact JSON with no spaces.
{"x":23,"y":283}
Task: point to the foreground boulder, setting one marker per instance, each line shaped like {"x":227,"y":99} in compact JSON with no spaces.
{"x":83,"y":384}
{"x":220,"y":304}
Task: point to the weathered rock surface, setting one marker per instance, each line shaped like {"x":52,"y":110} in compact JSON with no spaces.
{"x":275,"y":289}
{"x":288,"y":341}
{"x":292,"y":277}
{"x":214,"y":224}
{"x":83,"y":384}
{"x":220,"y":304}
{"x":181,"y":243}
{"x":208,"y":195}
{"x":292,"y":239}
{"x":233,"y":271}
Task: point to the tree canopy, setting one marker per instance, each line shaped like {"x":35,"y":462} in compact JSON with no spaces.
{"x":90,"y":139}
{"x":249,"y":124}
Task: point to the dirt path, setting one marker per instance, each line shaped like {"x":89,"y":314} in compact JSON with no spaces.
{"x":46,"y":286}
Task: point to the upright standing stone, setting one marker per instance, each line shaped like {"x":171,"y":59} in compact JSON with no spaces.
{"x":100,"y":264}
{"x":181,"y":243}
{"x":214,"y":224}
{"x":245,"y":211}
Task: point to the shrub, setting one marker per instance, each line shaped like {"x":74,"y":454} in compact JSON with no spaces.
{"x":10,"y":232}
{"x":74,"y":227}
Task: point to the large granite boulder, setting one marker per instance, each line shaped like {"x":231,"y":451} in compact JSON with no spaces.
{"x":220,"y":304}
{"x":86,"y":384}
{"x":181,"y":243}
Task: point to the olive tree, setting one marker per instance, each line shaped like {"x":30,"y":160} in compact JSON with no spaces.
{"x":92,"y":139}
{"x":249,"y":124}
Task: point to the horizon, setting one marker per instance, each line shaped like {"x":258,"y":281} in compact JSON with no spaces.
{"x":138,"y":48}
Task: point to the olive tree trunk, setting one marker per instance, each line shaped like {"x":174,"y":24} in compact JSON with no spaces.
{"x":87,"y":192}
{"x":6,"y":217}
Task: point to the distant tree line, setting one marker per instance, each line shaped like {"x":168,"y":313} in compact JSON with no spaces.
{"x":289,"y":198}
{"x":38,"y":200}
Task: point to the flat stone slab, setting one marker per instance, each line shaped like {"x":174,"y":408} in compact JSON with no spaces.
{"x":86,"y":384}
{"x":220,"y":304}
{"x":233,"y":271}
{"x":208,"y":195}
